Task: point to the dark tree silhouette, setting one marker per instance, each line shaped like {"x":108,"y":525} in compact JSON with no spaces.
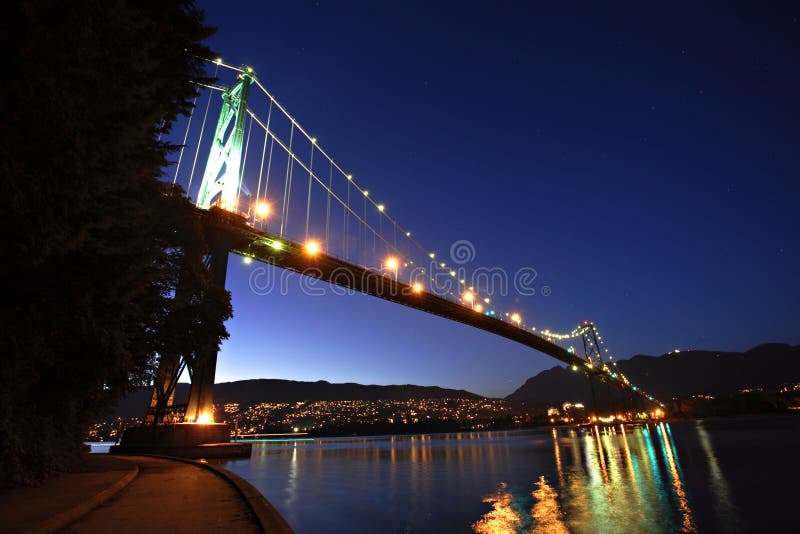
{"x":93,"y":247}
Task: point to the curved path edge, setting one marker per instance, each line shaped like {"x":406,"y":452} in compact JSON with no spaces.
{"x":64,"y":518}
{"x":269,"y":519}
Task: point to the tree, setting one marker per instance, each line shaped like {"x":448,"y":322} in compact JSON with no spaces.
{"x":90,"y":85}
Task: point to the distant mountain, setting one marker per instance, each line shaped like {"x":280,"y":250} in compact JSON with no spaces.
{"x":674,"y":375}
{"x":249,"y":392}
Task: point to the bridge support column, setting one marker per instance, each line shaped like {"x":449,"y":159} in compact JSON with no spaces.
{"x":169,"y":370}
{"x":200,"y":407}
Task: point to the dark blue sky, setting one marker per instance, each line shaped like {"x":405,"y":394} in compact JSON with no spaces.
{"x":643,"y":159}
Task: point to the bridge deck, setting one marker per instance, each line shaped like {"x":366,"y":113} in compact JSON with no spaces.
{"x":259,"y":245}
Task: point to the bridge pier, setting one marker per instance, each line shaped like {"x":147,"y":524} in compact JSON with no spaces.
{"x":163,"y":432}
{"x":169,"y":370}
{"x":203,"y":368}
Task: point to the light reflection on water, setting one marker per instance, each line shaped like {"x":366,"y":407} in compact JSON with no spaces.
{"x":651,"y":478}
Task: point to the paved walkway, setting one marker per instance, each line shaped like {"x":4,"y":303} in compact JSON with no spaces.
{"x":140,"y":494}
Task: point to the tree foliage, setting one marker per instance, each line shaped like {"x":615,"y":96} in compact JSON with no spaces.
{"x":93,"y":247}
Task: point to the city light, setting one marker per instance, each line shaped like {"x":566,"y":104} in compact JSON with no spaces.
{"x":312,"y":247}
{"x":247,"y":260}
{"x":478,"y":308}
{"x":277,"y":245}
{"x":516,"y":318}
{"x":417,"y":287}
{"x":469,"y":297}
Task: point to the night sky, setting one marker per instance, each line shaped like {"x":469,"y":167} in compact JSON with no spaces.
{"x":643,"y":159}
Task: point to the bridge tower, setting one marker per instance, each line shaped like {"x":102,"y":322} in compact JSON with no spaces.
{"x":222,"y":177}
{"x":222,"y":180}
{"x":591,"y":345}
{"x":593,"y":355}
{"x":220,"y":187}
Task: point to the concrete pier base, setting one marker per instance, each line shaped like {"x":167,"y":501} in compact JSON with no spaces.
{"x":185,"y":440}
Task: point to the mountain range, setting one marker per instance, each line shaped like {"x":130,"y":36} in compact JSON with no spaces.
{"x":677,"y":374}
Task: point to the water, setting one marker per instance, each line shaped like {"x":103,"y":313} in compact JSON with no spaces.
{"x":722,"y":475}
{"x":99,"y":447}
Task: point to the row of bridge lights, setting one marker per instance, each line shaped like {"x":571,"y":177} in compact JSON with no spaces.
{"x":262,"y":211}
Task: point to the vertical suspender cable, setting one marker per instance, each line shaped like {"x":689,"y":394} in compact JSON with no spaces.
{"x":269,"y":164}
{"x":200,"y":140}
{"x":287,"y":184}
{"x":261,"y":167}
{"x":244,"y":162}
{"x":183,"y":146}
{"x":260,"y":174}
{"x":328,"y":207}
{"x":347,"y":224}
{"x":308,"y":201}
{"x":363,"y":246}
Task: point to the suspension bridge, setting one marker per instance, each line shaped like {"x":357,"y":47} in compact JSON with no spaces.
{"x":267,"y":191}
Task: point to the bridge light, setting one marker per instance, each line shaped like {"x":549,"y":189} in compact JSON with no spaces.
{"x":277,"y":245}
{"x":313,"y":140}
{"x":381,"y":207}
{"x":392,"y":264}
{"x":349,"y":176}
{"x":574,"y":367}
{"x":262,"y":209}
{"x":218,"y":60}
{"x":516,"y":318}
{"x":366,"y":193}
{"x":453,"y":274}
{"x":312,"y":247}
{"x":247,"y":260}
{"x":432,"y":255}
{"x":204,"y":418}
{"x":486,"y":300}
{"x":408,"y":234}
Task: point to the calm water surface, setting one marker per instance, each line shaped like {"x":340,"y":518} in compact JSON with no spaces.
{"x":721,"y":475}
